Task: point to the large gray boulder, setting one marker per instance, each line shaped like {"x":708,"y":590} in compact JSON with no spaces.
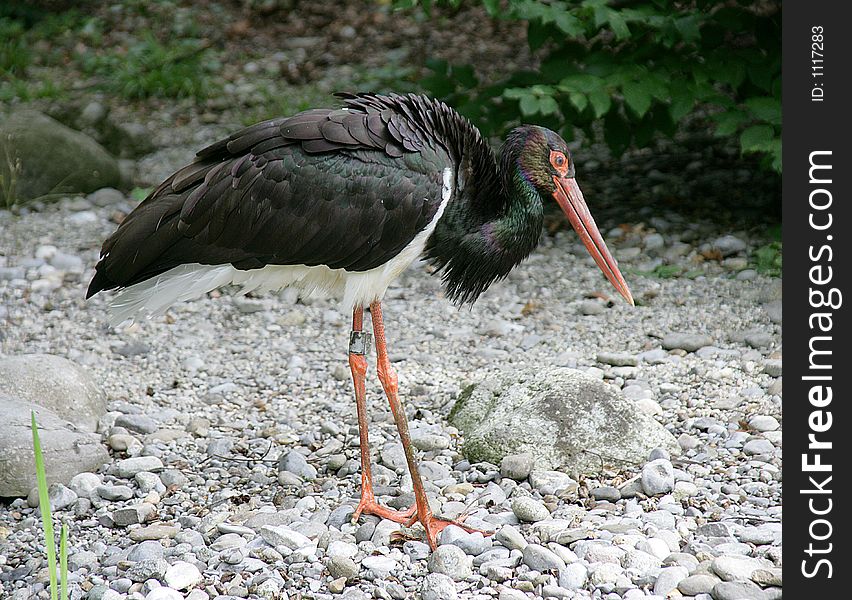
{"x":565,"y":419}
{"x":66,"y":451}
{"x":40,"y":156}
{"x":54,"y":383}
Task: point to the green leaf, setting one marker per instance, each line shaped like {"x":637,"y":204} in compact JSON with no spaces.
{"x":529,"y":105}
{"x":547,"y":105}
{"x":600,"y":101}
{"x":492,"y":7}
{"x":727,"y":123}
{"x":570,"y":24}
{"x":44,"y":508}
{"x":765,"y":109}
{"x":579,"y":100}
{"x":682,"y":102}
{"x":756,"y":138}
{"x":580,"y":82}
{"x":637,"y":97}
{"x":688,"y":28}
{"x":618,"y":25}
{"x":63,"y":562}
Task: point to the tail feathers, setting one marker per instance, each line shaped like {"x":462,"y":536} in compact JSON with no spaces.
{"x":152,"y":297}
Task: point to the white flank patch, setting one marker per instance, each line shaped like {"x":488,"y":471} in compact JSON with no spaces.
{"x":154,"y":296}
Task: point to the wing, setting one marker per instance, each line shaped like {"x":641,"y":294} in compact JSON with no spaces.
{"x":343,"y":188}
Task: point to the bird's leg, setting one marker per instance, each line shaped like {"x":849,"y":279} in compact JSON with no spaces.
{"x":358,"y":348}
{"x":390,"y":383}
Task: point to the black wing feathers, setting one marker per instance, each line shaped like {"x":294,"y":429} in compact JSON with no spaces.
{"x":347,"y":188}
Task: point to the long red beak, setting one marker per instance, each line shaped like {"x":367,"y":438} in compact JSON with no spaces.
{"x":570,"y":198}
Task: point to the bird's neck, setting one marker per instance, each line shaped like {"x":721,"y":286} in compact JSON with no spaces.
{"x":485,"y":232}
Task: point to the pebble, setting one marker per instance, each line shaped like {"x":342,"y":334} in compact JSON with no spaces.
{"x":573,"y":576}
{"x":700,"y":583}
{"x":451,"y":561}
{"x":437,"y":586}
{"x":541,"y":559}
{"x":342,"y":566}
{"x":758,"y":447}
{"x":737,"y":590}
{"x":657,"y":477}
{"x":511,"y":538}
{"x":60,"y":497}
{"x":131,"y":515}
{"x":182,"y":575}
{"x":552,"y":482}
{"x":295,"y":463}
{"x":114,"y":492}
{"x":281,"y":535}
{"x":689,"y":342}
{"x":517,"y":466}
{"x":669,"y":579}
{"x":734,"y":567}
{"x":129,"y":467}
{"x":153,"y":532}
{"x":618,"y":359}
{"x":529,"y":510}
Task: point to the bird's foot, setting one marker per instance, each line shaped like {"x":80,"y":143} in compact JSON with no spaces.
{"x":435,"y":525}
{"x":369,"y":506}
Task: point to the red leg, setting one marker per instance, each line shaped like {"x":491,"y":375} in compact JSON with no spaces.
{"x":390,"y":383}
{"x":358,"y":365}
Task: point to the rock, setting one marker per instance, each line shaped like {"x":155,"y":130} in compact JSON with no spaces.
{"x":758,"y":447}
{"x":149,"y":568}
{"x":105,"y":197}
{"x":606,"y":492}
{"x":618,"y":359}
{"x":560,"y":416}
{"x":700,"y":583}
{"x":767,"y":577}
{"x":296,"y":463}
{"x":552,"y":482}
{"x":657,"y":477}
{"x":686,"y":341}
{"x":66,"y":452}
{"x":82,"y":559}
{"x":381,"y":566}
{"x":737,"y":590}
{"x":131,"y":515}
{"x":182,"y":575}
{"x":84,"y":484}
{"x":137,"y":423}
{"x":511,"y":538}
{"x":281,"y":535}
{"x":153,"y":532}
{"x":60,"y":497}
{"x":336,"y":586}
{"x":164,"y":593}
{"x":129,"y":467}
{"x":114,"y":492}
{"x":517,"y":466}
{"x":54,"y":383}
{"x":437,"y":586}
{"x":52,"y":158}
{"x":728,"y":245}
{"x":541,"y":559}
{"x":342,"y":566}
{"x":451,"y":561}
{"x":573,"y":576}
{"x":734,"y":567}
{"x":529,"y":510}
{"x":668,"y":580}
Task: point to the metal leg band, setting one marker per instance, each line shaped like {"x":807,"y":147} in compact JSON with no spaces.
{"x":359,"y":342}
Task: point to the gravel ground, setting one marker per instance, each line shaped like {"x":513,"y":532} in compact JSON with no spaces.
{"x":234,"y":446}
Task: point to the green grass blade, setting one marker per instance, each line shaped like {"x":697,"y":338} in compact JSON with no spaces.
{"x":63,"y":562}
{"x":44,"y":505}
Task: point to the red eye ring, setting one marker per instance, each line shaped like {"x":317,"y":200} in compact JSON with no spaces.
{"x":559,"y":161}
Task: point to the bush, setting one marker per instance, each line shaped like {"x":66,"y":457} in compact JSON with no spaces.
{"x":151,"y":68}
{"x":639,"y":66}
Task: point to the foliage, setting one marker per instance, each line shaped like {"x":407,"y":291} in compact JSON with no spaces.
{"x":767,"y":259}
{"x":47,"y":522}
{"x":150,"y":68}
{"x":639,"y":66}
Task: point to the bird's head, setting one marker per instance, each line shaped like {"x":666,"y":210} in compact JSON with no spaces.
{"x":542,"y":159}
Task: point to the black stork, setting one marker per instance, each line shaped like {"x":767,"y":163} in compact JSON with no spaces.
{"x":340,"y":202}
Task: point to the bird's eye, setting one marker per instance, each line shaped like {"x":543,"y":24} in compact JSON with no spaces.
{"x":559,"y":161}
